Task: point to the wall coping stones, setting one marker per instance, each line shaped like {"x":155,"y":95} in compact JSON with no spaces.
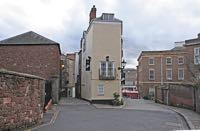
{"x":4,"y":71}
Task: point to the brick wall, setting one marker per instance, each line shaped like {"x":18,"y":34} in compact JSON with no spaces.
{"x":21,"y":100}
{"x":39,"y":60}
{"x":181,"y":95}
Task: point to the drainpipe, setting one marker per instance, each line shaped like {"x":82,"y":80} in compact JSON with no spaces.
{"x":161,"y":70}
{"x":167,"y":94}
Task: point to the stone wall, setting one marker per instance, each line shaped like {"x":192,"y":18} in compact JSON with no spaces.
{"x":21,"y":100}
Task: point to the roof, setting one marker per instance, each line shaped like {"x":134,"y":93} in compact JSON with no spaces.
{"x":172,"y":51}
{"x":71,"y":56}
{"x":107,"y":20}
{"x":100,"y":19}
{"x":177,"y":48}
{"x":193,"y":41}
{"x":27,"y":38}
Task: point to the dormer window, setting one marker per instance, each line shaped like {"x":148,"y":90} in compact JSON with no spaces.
{"x":108,"y":16}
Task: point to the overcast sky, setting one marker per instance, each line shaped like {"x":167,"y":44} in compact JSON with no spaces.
{"x":147,"y":24}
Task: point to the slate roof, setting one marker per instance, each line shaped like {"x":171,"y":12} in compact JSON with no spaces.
{"x":27,"y":38}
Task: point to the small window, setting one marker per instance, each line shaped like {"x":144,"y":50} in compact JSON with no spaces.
{"x":151,"y":74}
{"x":180,"y":74}
{"x":169,"y":74}
{"x":168,"y":60}
{"x":151,"y":61}
{"x":100,"y":90}
{"x":197,"y":56}
{"x":180,"y":60}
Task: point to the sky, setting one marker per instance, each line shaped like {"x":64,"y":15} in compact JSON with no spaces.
{"x":147,"y":24}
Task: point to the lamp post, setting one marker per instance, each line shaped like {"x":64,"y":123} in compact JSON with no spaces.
{"x":122,"y":72}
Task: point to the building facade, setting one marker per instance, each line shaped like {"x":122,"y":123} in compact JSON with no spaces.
{"x":130,"y":78}
{"x":101,"y":53}
{"x":33,"y":54}
{"x":192,"y":47}
{"x":179,"y":65}
{"x":70,"y":68}
{"x":157,"y":68}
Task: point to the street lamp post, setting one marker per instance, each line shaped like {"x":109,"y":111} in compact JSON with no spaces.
{"x":122,"y":72}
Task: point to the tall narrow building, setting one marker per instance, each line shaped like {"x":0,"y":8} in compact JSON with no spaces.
{"x":101,"y":48}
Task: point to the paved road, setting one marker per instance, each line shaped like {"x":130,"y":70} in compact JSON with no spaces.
{"x":85,"y":117}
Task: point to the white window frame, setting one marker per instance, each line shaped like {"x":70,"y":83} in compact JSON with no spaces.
{"x":153,"y":74}
{"x":167,"y":61}
{"x":113,"y":67}
{"x":100,"y":90}
{"x":179,"y":61}
{"x":169,"y":78}
{"x":179,"y":78}
{"x":151,"y":58}
{"x":197,"y":55}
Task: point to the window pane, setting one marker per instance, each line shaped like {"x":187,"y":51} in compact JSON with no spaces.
{"x":180,"y":74}
{"x":151,"y":61}
{"x":169,"y":74}
{"x":168,"y":60}
{"x":180,"y":60}
{"x":110,"y":68}
{"x":151,"y":74}
{"x":100,"y":89}
{"x":103,"y":68}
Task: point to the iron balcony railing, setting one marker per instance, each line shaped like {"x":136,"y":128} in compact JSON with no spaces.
{"x":107,"y":75}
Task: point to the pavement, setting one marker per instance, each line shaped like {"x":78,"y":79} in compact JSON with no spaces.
{"x":192,"y":118}
{"x":88,"y":117}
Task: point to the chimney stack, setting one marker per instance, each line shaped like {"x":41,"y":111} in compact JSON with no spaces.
{"x":198,"y":36}
{"x":93,"y":13}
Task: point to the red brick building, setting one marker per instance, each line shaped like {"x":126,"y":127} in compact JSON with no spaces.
{"x":33,"y":54}
{"x":30,"y":53}
{"x":192,"y":47}
{"x":179,"y":65}
{"x":160,"y":67}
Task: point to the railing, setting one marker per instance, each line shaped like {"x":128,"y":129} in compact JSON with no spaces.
{"x":107,"y":76}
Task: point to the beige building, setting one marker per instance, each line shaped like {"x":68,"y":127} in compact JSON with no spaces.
{"x":70,"y":69}
{"x":101,"y":47}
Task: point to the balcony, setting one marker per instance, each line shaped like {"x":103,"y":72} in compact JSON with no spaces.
{"x":107,"y":75}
